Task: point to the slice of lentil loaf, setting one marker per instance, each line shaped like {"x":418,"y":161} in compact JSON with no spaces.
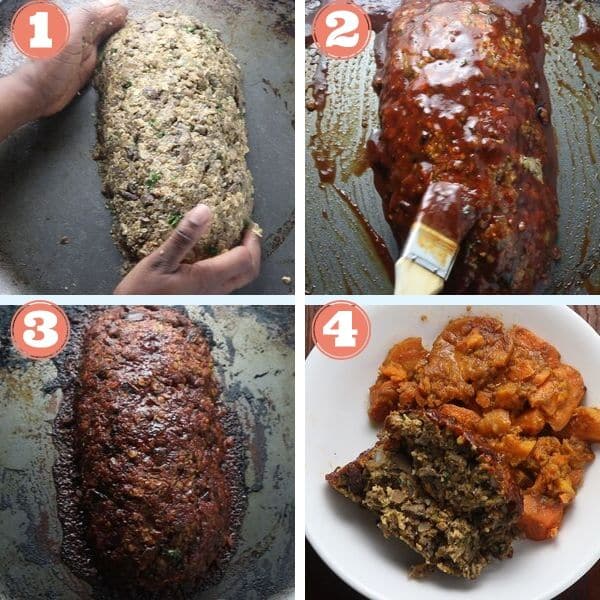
{"x":171,"y":133}
{"x":437,"y":488}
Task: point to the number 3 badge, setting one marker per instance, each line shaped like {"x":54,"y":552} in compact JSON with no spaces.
{"x":40,"y":330}
{"x":341,"y":329}
{"x":341,"y":30}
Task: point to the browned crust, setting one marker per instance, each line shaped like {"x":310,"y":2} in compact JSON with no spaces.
{"x":352,"y":476}
{"x":122,"y":517}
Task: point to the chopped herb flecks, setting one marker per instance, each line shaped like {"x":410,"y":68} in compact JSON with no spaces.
{"x":174,"y":555}
{"x":174,"y":219}
{"x":153,"y":179}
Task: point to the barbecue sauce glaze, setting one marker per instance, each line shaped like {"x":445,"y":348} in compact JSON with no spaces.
{"x":465,"y":143}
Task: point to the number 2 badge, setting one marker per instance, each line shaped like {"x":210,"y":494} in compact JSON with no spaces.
{"x":341,"y":30}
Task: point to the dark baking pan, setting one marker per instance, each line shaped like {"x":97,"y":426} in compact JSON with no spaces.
{"x":346,"y":233}
{"x":254,"y":356}
{"x":54,"y":225}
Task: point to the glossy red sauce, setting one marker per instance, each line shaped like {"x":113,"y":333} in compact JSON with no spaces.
{"x":377,"y":241}
{"x":379,"y":12}
{"x":587,"y":39}
{"x":465,"y":143}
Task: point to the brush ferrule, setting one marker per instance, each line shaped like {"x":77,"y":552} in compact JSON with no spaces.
{"x":431,"y":250}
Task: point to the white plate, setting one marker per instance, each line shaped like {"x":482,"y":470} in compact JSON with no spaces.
{"x":338,"y":429}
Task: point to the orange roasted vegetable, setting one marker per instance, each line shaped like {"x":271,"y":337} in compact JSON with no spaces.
{"x":541,"y":517}
{"x":510,"y":387}
{"x":585,"y":424}
{"x":399,"y":365}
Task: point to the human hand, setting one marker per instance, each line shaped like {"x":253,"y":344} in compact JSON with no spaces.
{"x":54,"y":82}
{"x":162,"y":272}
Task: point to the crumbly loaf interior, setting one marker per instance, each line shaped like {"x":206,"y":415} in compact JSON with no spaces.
{"x":414,"y":479}
{"x":458,"y":476}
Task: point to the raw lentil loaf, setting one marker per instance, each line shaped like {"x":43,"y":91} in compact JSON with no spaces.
{"x":171,"y":133}
{"x":158,"y":494}
{"x":438,"y":490}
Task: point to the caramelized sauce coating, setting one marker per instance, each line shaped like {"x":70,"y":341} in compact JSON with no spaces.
{"x":157,"y":489}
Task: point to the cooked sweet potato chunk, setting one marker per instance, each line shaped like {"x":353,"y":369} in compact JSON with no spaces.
{"x":541,"y":518}
{"x":465,"y":417}
{"x":408,"y":354}
{"x":585,"y":424}
{"x":389,"y":391}
{"x":495,"y":423}
{"x":559,"y":396}
{"x":383,"y":398}
{"x":515,"y":448}
{"x":531,"y":422}
{"x":511,"y":387}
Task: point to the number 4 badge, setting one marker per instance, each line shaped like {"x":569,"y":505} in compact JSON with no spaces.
{"x":341,"y":29}
{"x":341,"y":329}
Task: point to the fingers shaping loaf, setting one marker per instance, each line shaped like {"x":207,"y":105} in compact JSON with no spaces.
{"x":171,"y":134}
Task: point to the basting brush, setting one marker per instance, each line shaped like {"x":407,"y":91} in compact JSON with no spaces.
{"x":426,"y":261}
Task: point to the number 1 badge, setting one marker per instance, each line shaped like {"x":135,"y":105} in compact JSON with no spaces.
{"x":341,"y":30}
{"x":40,"y":30}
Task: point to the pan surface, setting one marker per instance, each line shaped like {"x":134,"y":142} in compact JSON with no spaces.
{"x":54,"y":225}
{"x":341,"y":257}
{"x":254,"y":356}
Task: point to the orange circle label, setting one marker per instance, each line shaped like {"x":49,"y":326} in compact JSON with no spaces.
{"x":40,"y":29}
{"x":40,"y":329}
{"x":341,"y":30}
{"x":341,"y":329}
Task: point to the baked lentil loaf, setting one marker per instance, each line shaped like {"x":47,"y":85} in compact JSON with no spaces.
{"x":465,"y":144}
{"x":158,"y":490}
{"x":437,"y":488}
{"x":171,"y":133}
